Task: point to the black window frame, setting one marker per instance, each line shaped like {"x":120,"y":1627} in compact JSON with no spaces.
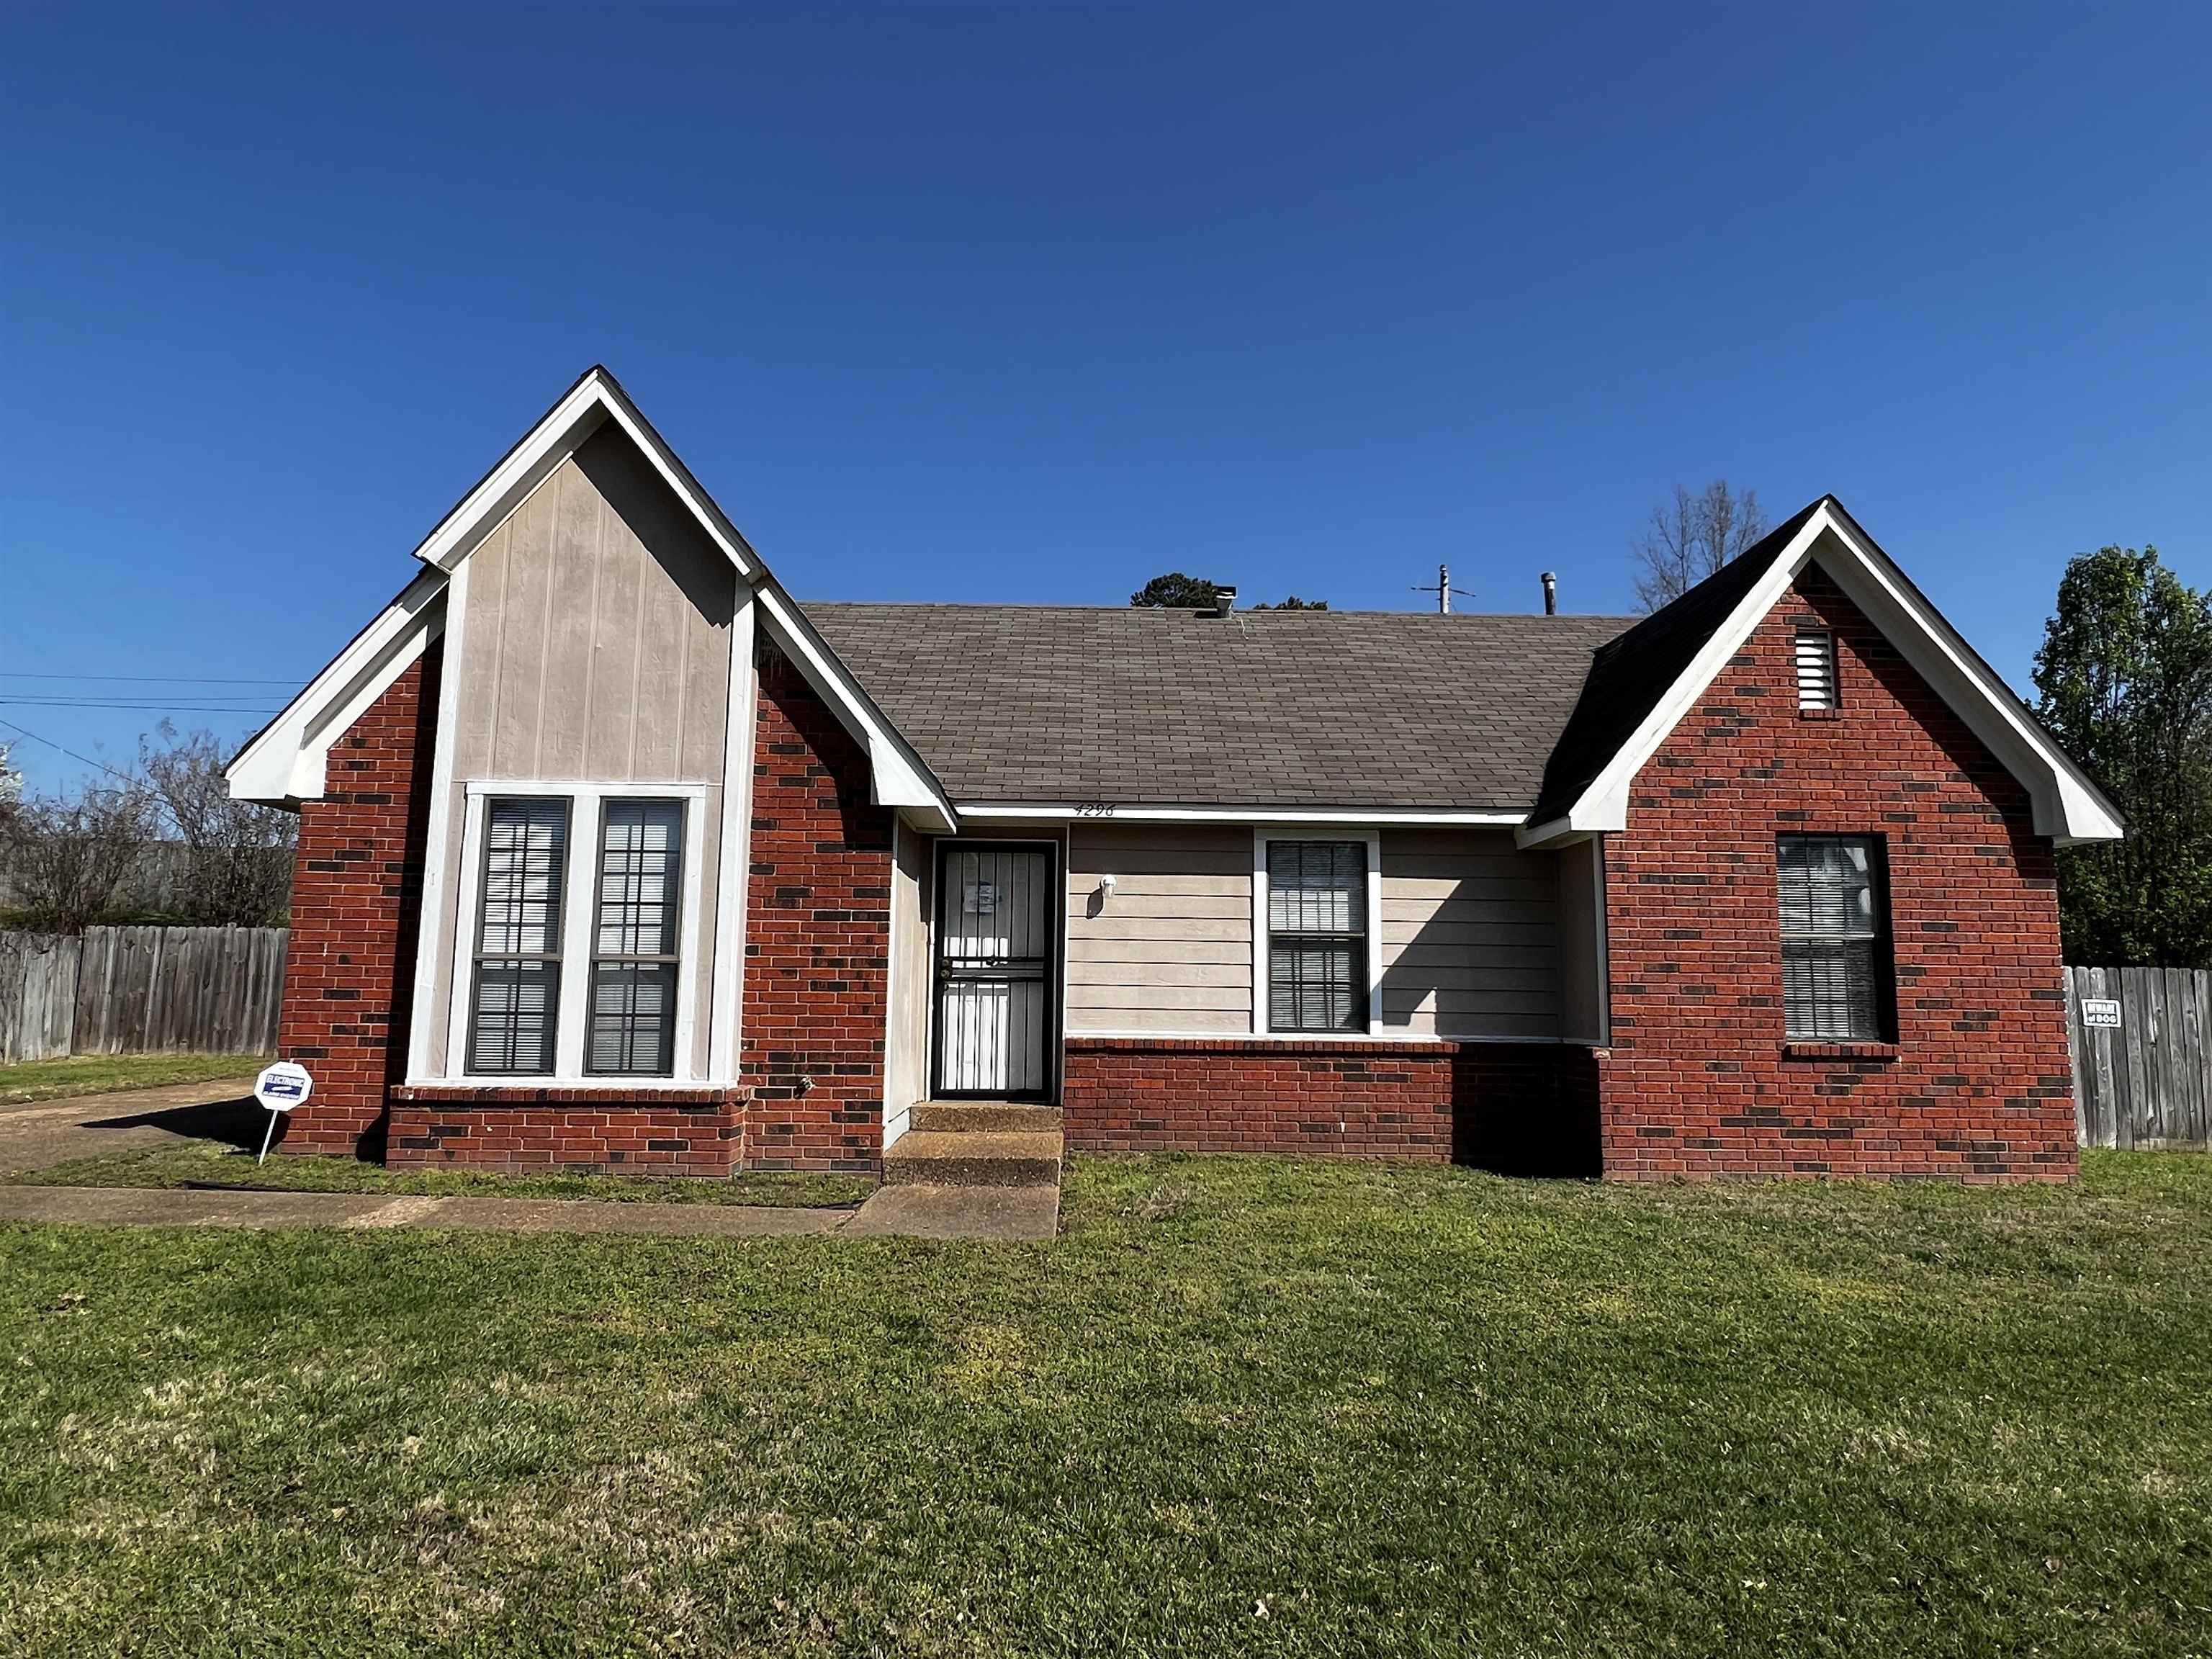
{"x":554,"y":930}
{"x":1801,"y":1024}
{"x":672,"y":959}
{"x":1359,"y":1010}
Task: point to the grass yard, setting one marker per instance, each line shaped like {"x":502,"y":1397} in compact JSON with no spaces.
{"x":212,"y":1163}
{"x":1242,"y":1406}
{"x":100,"y":1074}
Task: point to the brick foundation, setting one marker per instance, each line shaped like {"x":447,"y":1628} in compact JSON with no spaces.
{"x":817,"y":938}
{"x":1699,"y":1081}
{"x":1523,"y":1106}
{"x":664,"y":1131}
{"x":356,"y":895}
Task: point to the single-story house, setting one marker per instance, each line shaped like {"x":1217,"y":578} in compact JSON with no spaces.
{"x":614,"y":855}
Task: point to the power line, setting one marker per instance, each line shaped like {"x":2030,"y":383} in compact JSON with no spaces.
{"x":147,"y":679}
{"x":26,"y":731}
{"x":139,"y":707}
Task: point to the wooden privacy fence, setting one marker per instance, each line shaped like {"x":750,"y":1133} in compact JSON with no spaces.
{"x":138,"y":990}
{"x":2142,"y":1074}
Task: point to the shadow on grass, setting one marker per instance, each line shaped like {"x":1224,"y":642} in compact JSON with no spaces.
{"x":236,"y":1123}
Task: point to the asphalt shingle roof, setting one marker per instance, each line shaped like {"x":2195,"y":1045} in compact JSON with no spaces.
{"x":1257,"y":708}
{"x":1629,"y":675}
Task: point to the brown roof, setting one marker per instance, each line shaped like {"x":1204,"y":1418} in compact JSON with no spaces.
{"x":1258,"y":708}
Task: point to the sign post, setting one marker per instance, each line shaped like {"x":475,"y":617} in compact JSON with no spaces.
{"x":280,"y":1088}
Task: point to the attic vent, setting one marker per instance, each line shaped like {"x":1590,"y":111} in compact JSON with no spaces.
{"x":1816,"y":669}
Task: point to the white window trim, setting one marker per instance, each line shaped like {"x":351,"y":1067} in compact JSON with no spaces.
{"x":1373,"y":839}
{"x":579,"y":914}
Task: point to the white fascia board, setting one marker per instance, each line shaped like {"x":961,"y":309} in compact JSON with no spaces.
{"x":586,"y":406}
{"x":285,"y":763}
{"x":1603,"y":806}
{"x":898,"y":776}
{"x":2067,"y":807}
{"x":1058,"y":811}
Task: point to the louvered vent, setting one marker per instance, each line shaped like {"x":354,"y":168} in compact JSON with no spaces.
{"x":1816,"y":669}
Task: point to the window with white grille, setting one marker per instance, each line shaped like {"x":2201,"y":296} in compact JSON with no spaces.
{"x":1816,"y":669}
{"x":1317,"y":936}
{"x":635,"y":939}
{"x":515,"y":997}
{"x":1836,"y":975}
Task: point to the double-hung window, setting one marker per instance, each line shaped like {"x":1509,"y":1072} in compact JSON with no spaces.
{"x":515,"y":997}
{"x":1837,"y":982}
{"x":576,"y":965}
{"x":1318,"y":935}
{"x":634,"y":942}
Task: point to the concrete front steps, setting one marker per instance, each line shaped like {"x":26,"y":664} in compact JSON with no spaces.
{"x":977,"y":1143}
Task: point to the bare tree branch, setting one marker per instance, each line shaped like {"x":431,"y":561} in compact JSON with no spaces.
{"x":237,"y":868}
{"x":1692,"y":537}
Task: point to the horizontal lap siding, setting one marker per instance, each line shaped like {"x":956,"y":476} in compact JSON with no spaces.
{"x":1171,"y":949}
{"x":1470,"y":935}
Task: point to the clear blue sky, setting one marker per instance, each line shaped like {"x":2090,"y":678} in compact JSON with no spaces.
{"x":1035,"y":305}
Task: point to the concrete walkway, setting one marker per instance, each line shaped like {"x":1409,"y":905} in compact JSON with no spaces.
{"x":41,"y":1133}
{"x":201,"y":1206}
{"x":943,"y":1212}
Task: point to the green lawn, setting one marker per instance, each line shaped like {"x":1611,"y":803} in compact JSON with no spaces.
{"x":101,"y":1074}
{"x":1242,"y":1406}
{"x":202,"y":1163}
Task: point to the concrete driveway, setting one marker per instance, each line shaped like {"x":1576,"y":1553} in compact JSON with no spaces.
{"x":44,"y":1133}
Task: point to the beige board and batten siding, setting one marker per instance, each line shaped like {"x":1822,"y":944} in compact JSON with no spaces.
{"x":595,"y":647}
{"x":1470,"y":936}
{"x":1169,"y":951}
{"x":906,"y":1046}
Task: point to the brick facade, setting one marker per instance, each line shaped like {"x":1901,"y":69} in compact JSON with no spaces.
{"x":664,"y":1132}
{"x":357,"y":893}
{"x":1522,"y":1106}
{"x":1699,"y":1081}
{"x":818,"y":937}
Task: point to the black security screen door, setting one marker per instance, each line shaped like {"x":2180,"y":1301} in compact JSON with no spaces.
{"x":997,"y":932}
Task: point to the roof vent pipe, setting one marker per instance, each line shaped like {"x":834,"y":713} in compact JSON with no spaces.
{"x":1551,"y":594}
{"x":1224,"y":599}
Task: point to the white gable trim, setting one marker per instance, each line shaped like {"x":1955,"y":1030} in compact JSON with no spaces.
{"x":2067,"y":806}
{"x":898,"y":776}
{"x":270,"y":769}
{"x":287,"y":761}
{"x":583,"y":409}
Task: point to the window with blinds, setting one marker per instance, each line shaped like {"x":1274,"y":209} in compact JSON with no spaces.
{"x":1816,"y":669}
{"x":634,"y":940}
{"x":514,"y":1003}
{"x":1836,"y":977}
{"x":1316,"y":936}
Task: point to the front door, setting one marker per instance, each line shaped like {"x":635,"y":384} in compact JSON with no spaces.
{"x":997,"y":911}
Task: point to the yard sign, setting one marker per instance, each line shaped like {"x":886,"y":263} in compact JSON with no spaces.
{"x":280,"y":1088}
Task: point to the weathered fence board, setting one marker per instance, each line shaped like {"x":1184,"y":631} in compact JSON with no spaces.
{"x":2147,"y":1082}
{"x":38,"y":996}
{"x":137,"y":990}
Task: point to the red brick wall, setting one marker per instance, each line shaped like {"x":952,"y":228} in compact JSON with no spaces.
{"x":356,"y":892}
{"x":1699,"y":1082}
{"x":817,"y":938}
{"x":667,"y":1132}
{"x":1520,"y":1105}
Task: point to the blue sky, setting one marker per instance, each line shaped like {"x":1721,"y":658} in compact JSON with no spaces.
{"x":1036,"y":304}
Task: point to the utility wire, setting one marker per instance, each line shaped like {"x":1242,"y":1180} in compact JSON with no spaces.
{"x":134,"y":707}
{"x":26,"y":732}
{"x":147,"y":679}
